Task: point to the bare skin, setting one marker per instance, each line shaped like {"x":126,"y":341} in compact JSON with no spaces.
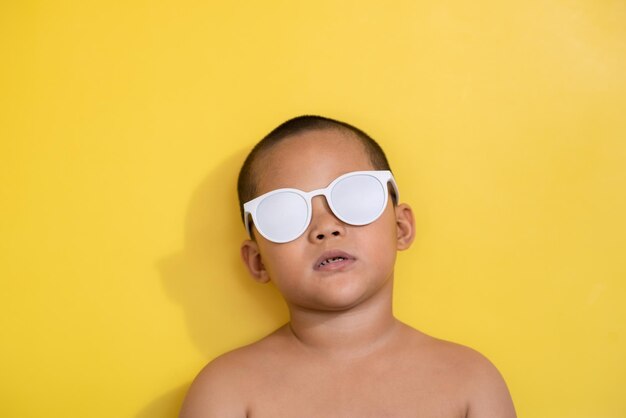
{"x":343,"y":353}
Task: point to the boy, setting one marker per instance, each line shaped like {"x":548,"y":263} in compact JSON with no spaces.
{"x":331,"y":254}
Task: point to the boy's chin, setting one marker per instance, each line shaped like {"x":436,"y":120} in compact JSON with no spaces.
{"x":338,"y":302}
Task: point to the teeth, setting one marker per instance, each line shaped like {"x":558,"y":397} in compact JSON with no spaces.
{"x":331,"y":260}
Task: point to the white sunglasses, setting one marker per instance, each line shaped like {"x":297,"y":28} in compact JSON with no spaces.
{"x":356,"y":198}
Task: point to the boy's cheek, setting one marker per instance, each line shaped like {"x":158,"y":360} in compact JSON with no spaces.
{"x":281,"y":261}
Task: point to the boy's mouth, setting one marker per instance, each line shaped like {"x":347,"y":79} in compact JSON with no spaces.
{"x":332,"y":260}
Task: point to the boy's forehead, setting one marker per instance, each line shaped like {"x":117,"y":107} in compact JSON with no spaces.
{"x":310,"y":160}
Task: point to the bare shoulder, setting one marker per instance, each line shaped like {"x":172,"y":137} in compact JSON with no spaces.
{"x":487,"y":393}
{"x":222,"y":387}
{"x":477,"y":380}
{"x":215,"y":390}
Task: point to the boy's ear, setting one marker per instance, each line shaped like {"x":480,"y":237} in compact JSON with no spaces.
{"x":405,"y":224}
{"x":252,"y":259}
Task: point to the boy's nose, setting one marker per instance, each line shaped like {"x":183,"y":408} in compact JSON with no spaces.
{"x":324,"y":223}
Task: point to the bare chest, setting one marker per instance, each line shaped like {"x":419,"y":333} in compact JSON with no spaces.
{"x":370,"y":390}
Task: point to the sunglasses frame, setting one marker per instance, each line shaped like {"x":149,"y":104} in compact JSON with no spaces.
{"x":384,"y":177}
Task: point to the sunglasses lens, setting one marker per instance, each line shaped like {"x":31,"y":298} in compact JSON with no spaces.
{"x":359,"y":199}
{"x":282,"y":217}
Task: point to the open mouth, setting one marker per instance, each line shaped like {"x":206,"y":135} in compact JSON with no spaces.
{"x":331,"y":260}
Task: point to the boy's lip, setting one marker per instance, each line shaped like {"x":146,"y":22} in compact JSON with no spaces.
{"x":333,"y":260}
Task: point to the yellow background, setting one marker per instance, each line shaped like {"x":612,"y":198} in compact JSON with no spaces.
{"x":123,"y":125}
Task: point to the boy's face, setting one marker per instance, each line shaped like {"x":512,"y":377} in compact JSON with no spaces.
{"x":310,"y":161}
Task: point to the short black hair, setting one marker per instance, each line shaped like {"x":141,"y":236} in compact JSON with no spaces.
{"x":246,"y":186}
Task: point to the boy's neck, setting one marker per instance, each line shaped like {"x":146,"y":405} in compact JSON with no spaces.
{"x":352,"y":333}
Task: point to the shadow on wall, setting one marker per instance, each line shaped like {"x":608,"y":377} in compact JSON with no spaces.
{"x":165,"y":406}
{"x":222,"y":304}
